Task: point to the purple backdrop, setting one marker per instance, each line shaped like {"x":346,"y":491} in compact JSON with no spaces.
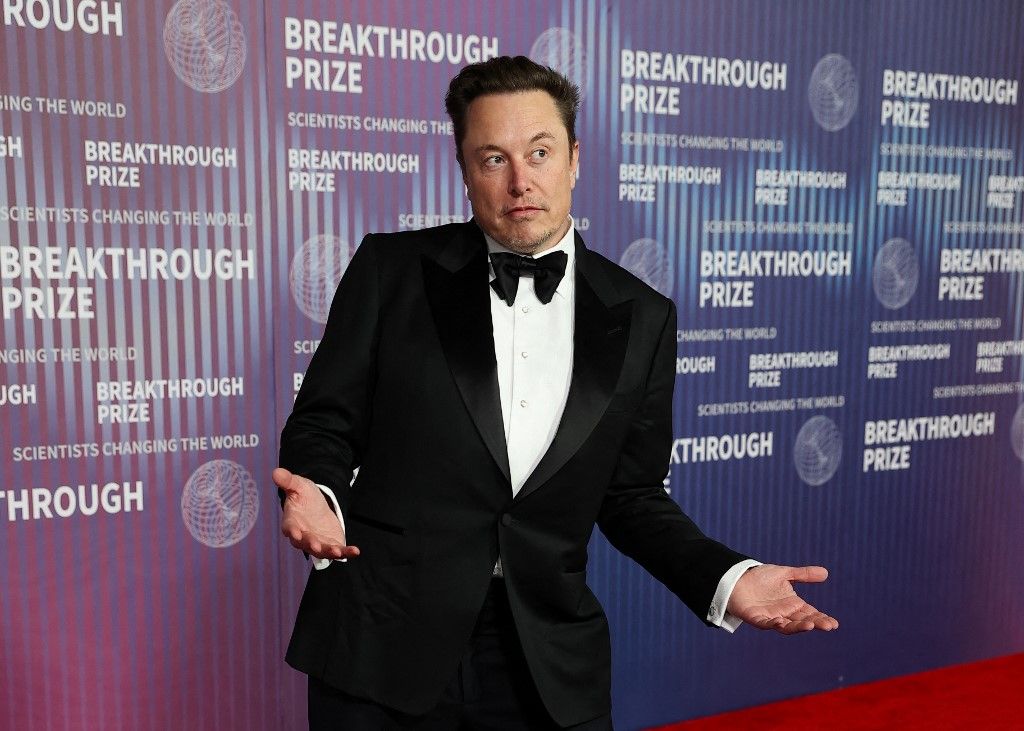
{"x":830,"y":192}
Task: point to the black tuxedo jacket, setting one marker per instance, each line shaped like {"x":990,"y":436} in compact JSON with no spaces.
{"x":404,"y":386}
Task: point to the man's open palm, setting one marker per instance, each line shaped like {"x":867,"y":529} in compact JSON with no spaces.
{"x":308,"y":521}
{"x":764,"y":598}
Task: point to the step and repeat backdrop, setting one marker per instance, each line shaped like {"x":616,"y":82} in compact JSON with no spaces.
{"x":830,"y":192}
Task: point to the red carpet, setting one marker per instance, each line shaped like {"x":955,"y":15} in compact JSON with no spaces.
{"x":982,"y":695}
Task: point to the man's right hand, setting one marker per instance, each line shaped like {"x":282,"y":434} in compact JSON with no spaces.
{"x":308,"y":521}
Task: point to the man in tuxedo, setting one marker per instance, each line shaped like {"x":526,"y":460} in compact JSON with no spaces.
{"x":502,"y":389}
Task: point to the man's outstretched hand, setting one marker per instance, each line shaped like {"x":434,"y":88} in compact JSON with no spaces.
{"x":308,"y":521}
{"x":764,"y":598}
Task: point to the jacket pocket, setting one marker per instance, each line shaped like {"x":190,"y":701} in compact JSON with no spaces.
{"x":376,"y":523}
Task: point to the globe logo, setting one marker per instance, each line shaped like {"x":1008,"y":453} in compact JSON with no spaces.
{"x":560,"y":49}
{"x":205,"y":44}
{"x":1017,"y":432}
{"x":220,"y":503}
{"x":833,"y":92}
{"x":649,"y":261}
{"x":895,"y":275}
{"x":316,"y":271}
{"x":818,"y":450}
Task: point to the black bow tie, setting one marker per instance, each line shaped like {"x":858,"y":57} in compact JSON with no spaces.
{"x":547,"y":272}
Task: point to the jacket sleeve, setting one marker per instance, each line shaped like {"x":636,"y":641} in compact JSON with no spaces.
{"x":326,"y":433}
{"x":638,"y":517}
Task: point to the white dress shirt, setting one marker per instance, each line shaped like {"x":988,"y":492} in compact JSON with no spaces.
{"x":533,"y":349}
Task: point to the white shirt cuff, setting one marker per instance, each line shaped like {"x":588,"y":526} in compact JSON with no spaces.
{"x":322,"y":563}
{"x":717,"y":614}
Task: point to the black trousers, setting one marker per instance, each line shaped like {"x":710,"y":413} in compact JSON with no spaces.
{"x":492,"y":689}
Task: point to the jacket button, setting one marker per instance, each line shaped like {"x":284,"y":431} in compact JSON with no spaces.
{"x":506,"y":520}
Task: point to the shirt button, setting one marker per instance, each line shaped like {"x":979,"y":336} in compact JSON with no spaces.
{"x":526,"y":308}
{"x":524,"y":354}
{"x":522,"y":404}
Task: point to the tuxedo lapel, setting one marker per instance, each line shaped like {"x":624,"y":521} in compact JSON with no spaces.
{"x":600,"y":335}
{"x":456,"y":287}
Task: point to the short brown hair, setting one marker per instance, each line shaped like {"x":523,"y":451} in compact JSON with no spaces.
{"x":509,"y":75}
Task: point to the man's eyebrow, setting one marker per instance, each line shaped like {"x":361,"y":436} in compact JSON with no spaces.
{"x":489,"y":146}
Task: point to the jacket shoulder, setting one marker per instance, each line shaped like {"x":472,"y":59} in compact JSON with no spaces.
{"x":401,"y":246}
{"x":627,"y":284}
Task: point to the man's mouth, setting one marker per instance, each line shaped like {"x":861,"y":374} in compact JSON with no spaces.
{"x":522,"y":210}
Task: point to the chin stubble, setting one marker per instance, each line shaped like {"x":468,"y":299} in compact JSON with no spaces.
{"x":529,"y":246}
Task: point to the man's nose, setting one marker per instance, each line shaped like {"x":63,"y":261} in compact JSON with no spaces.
{"x":519,"y":178}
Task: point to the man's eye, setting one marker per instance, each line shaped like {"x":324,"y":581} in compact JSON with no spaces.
{"x":494,"y":160}
{"x":540,"y":154}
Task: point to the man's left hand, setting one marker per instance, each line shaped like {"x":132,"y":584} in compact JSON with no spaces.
{"x":764,"y":597}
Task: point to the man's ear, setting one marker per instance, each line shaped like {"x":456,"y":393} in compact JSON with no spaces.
{"x":574,"y":166}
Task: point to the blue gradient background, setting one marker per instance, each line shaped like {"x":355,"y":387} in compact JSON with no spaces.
{"x":125,"y":621}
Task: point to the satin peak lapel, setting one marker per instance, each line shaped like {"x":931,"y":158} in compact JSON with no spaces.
{"x":456,"y":287}
{"x":601,"y":333}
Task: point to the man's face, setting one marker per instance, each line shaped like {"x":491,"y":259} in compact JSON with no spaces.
{"x":519,"y":169}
